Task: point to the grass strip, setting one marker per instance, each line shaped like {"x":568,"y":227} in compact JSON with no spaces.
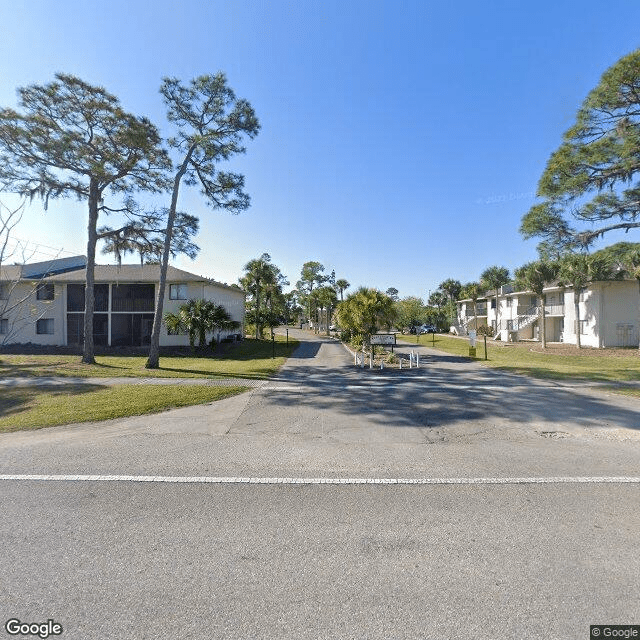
{"x":585,"y":364}
{"x":36,"y":407}
{"x":252,"y":359}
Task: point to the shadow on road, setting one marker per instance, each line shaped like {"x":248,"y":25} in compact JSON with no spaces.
{"x":444,"y":391}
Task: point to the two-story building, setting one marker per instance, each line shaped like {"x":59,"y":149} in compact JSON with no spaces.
{"x":43,"y":303}
{"x":608,"y":313}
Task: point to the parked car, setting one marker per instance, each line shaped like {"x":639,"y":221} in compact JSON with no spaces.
{"x":425,"y":328}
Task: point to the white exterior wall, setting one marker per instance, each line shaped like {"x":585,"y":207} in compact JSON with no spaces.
{"x":22,"y":320}
{"x":231,"y":300}
{"x":619,"y":313}
{"x":610,"y":312}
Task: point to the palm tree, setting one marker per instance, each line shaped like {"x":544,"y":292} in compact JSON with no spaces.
{"x":341,"y":286}
{"x":365,"y":311}
{"x":326,"y":299}
{"x":218,"y":319}
{"x":257,"y":272}
{"x":574,"y":269}
{"x":536,"y":276}
{"x":473,"y":290}
{"x":494,"y":278}
{"x":452,"y":288}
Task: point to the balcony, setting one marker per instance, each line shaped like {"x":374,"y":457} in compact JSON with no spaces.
{"x":554,"y":309}
{"x":120,"y":305}
{"x":482,"y":311}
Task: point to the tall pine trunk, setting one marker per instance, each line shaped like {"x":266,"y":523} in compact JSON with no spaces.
{"x":153,"y":361}
{"x":543,"y":317}
{"x":576,"y":302}
{"x":88,"y":352}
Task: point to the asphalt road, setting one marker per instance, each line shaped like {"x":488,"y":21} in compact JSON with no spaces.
{"x":125,"y":559}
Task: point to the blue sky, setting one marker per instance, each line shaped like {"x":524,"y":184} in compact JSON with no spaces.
{"x":401,"y":142}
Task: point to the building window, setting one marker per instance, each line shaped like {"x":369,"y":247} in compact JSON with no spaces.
{"x":4,"y":291}
{"x":509,"y":302}
{"x":45,"y":292}
{"x":177,"y":292}
{"x":4,"y":326}
{"x":582,"y":326}
{"x":75,"y":297}
{"x":44,"y":327}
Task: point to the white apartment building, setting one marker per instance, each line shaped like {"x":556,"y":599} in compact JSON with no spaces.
{"x":608,"y":314}
{"x":43,"y":303}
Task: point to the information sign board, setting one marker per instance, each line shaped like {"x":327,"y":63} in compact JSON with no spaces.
{"x":383,"y":338}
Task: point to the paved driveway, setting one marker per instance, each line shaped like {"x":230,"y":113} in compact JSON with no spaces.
{"x":471,"y":559}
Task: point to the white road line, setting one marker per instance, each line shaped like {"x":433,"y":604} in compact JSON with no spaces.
{"x":258,"y":480}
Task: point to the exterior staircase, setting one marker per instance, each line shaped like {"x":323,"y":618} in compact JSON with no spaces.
{"x":523,"y":321}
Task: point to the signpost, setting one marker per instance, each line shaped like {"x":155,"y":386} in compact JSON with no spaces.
{"x":472,"y":344}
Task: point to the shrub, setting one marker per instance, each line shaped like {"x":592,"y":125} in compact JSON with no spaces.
{"x":485,"y":330}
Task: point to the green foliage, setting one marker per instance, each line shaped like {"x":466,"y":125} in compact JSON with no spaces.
{"x":366,"y":311}
{"x":392,"y":292}
{"x":410,"y":312}
{"x":73,"y":139}
{"x":537,"y":275}
{"x":266,"y":303}
{"x":495,"y":277}
{"x":591,"y":177}
{"x":341,"y":286}
{"x":452,"y":288}
{"x":485,"y":330}
{"x":438,"y":299}
{"x":197,"y":317}
{"x":210,"y":124}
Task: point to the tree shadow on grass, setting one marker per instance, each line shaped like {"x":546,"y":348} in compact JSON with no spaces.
{"x":16,"y":400}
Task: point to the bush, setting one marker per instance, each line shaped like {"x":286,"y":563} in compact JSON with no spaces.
{"x":356,"y":341}
{"x":485,"y":330}
{"x":345,"y":335}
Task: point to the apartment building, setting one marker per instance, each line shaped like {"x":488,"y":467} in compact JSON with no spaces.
{"x":43,"y":303}
{"x":608,"y":314}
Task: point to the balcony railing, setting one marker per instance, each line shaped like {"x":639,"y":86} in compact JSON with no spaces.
{"x":554,"y":309}
{"x":132,"y":304}
{"x":482,"y":311}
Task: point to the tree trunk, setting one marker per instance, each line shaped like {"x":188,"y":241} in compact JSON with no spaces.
{"x":576,"y":302}
{"x":153,"y":361}
{"x":88,"y":355}
{"x":639,"y":316}
{"x":258,"y":331}
{"x":543,"y":320}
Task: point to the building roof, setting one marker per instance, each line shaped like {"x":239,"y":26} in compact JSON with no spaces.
{"x":135,"y":273}
{"x":73,"y":270}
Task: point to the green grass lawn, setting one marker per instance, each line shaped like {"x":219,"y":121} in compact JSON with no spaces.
{"x":249,"y":359}
{"x":558,"y":363}
{"x":36,"y":407}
